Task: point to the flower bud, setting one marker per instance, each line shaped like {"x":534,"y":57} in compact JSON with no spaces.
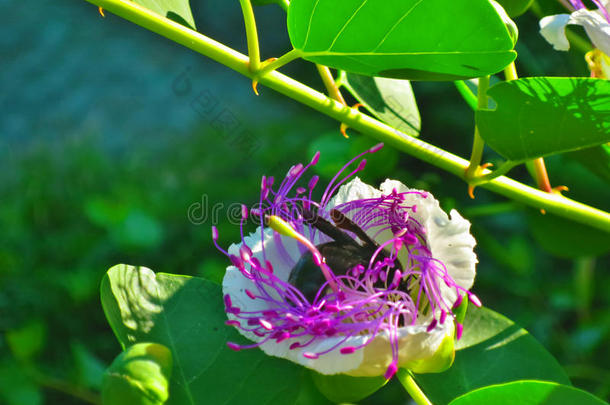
{"x":138,"y":376}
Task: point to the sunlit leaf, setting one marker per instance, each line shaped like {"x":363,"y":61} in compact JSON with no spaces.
{"x":541,"y":116}
{"x":186,"y":314}
{"x":528,"y":393}
{"x":403,"y":39}
{"x":492,"y":350}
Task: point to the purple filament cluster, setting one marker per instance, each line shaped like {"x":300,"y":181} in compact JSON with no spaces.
{"x":401,"y":285}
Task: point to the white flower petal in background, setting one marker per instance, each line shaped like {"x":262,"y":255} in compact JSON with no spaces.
{"x":553,"y":29}
{"x":596,"y":26}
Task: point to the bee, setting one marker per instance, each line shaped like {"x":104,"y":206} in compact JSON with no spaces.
{"x":342,"y":253}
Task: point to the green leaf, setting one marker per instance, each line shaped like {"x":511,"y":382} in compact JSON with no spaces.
{"x":341,"y":388}
{"x":540,"y":116}
{"x":402,"y":39}
{"x":186,"y":314}
{"x":565,"y":238}
{"x":515,"y":8}
{"x":596,"y":159}
{"x":176,"y":10}
{"x":389,"y":100}
{"x":138,"y":376}
{"x":528,"y":393}
{"x":492,"y":350}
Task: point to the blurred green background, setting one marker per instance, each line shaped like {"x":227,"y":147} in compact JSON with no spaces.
{"x":116,"y":145}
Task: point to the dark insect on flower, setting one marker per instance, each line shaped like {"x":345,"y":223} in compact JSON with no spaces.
{"x":360,"y":282}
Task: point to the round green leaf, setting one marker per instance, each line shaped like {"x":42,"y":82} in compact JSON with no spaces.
{"x":341,"y":388}
{"x":390,"y":100}
{"x":492,"y":350}
{"x":186,"y":314}
{"x":402,"y":39}
{"x":540,"y":116}
{"x":528,"y":393}
{"x":138,"y":376}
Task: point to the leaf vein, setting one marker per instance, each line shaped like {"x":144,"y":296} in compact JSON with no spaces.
{"x":313,"y":11}
{"x":396,"y":24}
{"x":349,"y":20}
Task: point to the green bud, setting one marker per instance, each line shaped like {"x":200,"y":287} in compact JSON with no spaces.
{"x":138,"y":376}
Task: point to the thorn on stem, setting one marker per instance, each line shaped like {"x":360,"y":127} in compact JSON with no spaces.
{"x":255,"y":86}
{"x":560,"y":189}
{"x":477,"y":173}
{"x":343,"y":128}
{"x":101,"y":10}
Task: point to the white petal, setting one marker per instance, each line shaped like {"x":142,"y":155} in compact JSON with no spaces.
{"x":449,"y":239}
{"x":235,"y":283}
{"x":598,"y":29}
{"x":553,"y":29}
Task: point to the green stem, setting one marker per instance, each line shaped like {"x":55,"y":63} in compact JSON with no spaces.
{"x":510,"y":72}
{"x":330,"y":84}
{"x":251,"y":35}
{"x":407,"y":381}
{"x":500,"y":171}
{"x":289,"y":87}
{"x":478,"y":144}
{"x":542,"y":177}
{"x":279,"y":62}
{"x":467,"y":94}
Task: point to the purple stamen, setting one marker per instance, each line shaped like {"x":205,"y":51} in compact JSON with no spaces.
{"x":234,"y":346}
{"x":392,"y":369}
{"x":365,"y":301}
